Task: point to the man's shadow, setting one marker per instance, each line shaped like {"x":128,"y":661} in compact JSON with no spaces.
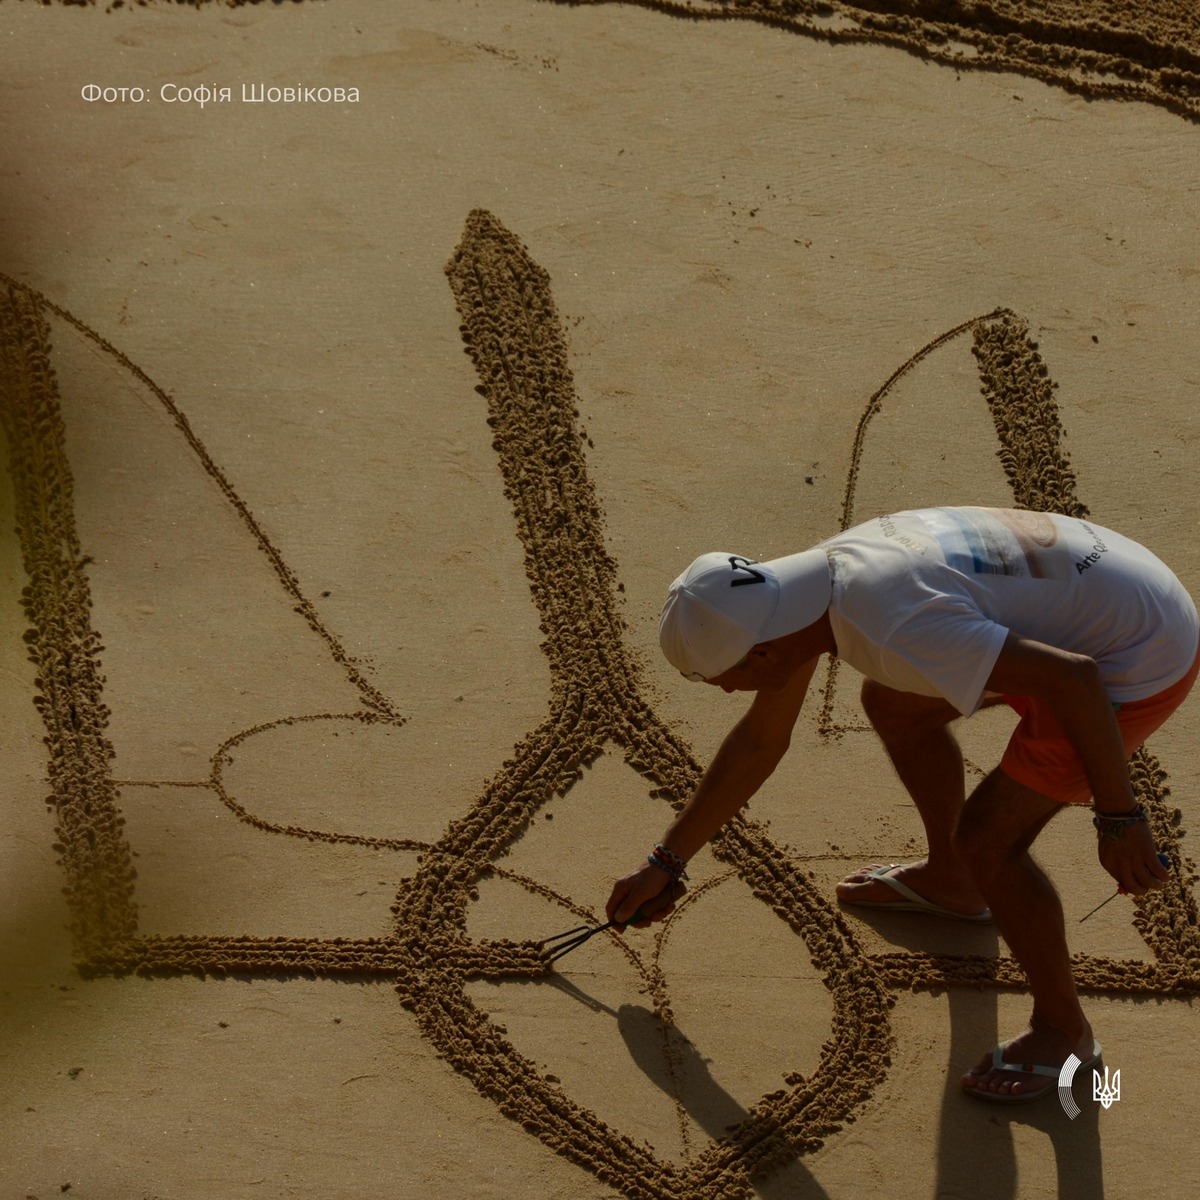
{"x":975,"y":1141}
{"x":975,"y":1147}
{"x":673,"y":1063}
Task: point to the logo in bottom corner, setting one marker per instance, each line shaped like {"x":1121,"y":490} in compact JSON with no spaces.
{"x":1105,"y":1091}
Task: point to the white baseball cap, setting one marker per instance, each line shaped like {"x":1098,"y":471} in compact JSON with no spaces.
{"x":724,"y":604}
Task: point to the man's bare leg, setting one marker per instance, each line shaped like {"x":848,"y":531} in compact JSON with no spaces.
{"x":998,"y":825}
{"x":916,"y":735}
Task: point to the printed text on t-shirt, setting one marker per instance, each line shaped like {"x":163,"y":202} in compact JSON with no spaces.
{"x":888,"y":528}
{"x":1098,"y":548}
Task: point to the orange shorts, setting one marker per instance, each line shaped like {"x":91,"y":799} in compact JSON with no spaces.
{"x":1040,"y":757}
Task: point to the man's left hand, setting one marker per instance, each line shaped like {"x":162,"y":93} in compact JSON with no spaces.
{"x":1132,"y":860}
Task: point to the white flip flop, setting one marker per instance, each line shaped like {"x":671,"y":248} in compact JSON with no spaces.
{"x":914,"y":902}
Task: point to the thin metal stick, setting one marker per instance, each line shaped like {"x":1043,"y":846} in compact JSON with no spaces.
{"x":1099,"y":906}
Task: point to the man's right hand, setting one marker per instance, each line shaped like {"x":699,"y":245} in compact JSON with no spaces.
{"x":648,"y":890}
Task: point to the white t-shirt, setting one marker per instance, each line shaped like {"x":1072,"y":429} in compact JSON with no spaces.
{"x":922,"y":601}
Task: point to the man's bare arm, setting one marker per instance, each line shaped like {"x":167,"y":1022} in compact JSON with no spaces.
{"x":747,"y":758}
{"x":1070,"y":684}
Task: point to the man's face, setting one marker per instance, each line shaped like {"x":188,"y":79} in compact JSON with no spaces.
{"x":760,"y":670}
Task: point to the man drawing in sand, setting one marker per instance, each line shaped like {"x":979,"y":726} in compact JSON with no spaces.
{"x":1086,"y":634}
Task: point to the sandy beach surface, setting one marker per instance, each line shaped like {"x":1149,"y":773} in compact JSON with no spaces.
{"x":367,"y":372}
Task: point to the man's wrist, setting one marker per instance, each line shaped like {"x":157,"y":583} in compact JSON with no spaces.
{"x":668,"y":861}
{"x":1113,"y":825}
{"x":1115,"y":813}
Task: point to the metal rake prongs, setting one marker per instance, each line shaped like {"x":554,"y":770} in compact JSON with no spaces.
{"x":563,"y":943}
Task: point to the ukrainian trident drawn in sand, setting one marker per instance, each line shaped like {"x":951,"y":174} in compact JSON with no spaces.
{"x":514,"y":337}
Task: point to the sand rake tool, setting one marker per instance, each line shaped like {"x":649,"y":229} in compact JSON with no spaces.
{"x":564,"y":943}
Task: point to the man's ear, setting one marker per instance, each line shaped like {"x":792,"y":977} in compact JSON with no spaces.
{"x":765,"y":652}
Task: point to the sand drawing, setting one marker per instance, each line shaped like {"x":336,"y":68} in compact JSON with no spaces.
{"x":1119,"y":51}
{"x":513,"y":334}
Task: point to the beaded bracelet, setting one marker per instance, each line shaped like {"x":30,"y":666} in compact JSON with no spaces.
{"x":1114,"y":827}
{"x":669,"y":861}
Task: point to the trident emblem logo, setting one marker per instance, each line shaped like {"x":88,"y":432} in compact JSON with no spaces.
{"x":1103,"y":1091}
